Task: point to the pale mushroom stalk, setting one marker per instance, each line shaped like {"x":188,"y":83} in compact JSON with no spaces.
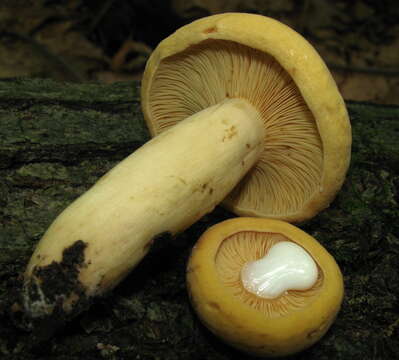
{"x":164,"y":186}
{"x":227,"y":95}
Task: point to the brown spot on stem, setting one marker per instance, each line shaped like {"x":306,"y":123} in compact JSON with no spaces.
{"x":230,"y":133}
{"x":53,"y":293}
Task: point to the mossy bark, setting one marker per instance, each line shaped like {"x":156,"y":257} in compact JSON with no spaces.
{"x":57,"y":139}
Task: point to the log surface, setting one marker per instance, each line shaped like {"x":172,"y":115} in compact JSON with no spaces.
{"x":57,"y":139}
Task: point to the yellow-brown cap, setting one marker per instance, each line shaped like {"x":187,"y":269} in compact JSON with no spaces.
{"x":307,"y":130}
{"x":259,"y":326}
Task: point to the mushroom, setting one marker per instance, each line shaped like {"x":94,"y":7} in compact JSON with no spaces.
{"x":264,"y":286}
{"x":307,"y":135}
{"x":242,"y":110}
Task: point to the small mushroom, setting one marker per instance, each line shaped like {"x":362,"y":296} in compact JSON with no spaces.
{"x":229,"y":98}
{"x":264,"y":286}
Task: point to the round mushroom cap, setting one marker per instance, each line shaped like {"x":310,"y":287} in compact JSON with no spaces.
{"x":307,"y":130}
{"x":260,"y":326}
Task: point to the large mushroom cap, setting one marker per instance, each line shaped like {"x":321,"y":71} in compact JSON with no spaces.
{"x":307,"y":130}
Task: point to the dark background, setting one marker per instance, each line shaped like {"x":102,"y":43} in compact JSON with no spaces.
{"x":50,"y":152}
{"x":110,"y":40}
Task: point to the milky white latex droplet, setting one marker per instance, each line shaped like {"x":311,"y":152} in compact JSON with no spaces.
{"x":287,"y":266}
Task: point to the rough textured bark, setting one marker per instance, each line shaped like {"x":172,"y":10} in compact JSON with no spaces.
{"x":57,"y":139}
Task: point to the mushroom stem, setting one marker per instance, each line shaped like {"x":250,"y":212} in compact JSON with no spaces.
{"x":165,"y":186}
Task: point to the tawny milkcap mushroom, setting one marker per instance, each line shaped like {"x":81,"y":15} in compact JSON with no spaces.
{"x":264,"y":286}
{"x":228,"y":96}
{"x":306,"y":137}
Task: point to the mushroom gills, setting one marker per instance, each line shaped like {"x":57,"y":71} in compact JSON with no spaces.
{"x":290,"y":168}
{"x":287,"y":266}
{"x":262,"y":326}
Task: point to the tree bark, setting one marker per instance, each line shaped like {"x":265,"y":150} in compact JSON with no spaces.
{"x":57,"y":139}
